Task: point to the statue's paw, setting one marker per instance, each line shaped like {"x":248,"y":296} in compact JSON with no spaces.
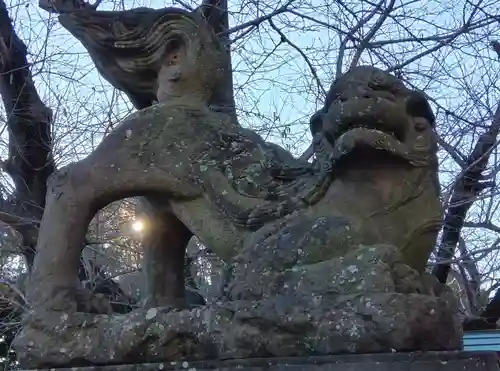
{"x":406,"y":279}
{"x":366,"y":269}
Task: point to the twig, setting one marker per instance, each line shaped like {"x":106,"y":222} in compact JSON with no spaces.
{"x":308,"y":62}
{"x":257,"y":21}
{"x":350,"y":36}
{"x":371,"y":33}
{"x":183,"y":4}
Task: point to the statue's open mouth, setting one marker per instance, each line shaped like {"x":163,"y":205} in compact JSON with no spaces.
{"x":376,"y":123}
{"x":372,"y":115}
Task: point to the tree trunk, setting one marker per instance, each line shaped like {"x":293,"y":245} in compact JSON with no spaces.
{"x":29,"y":120}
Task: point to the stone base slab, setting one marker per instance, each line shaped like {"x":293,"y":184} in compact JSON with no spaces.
{"x":416,"y":361}
{"x":366,"y":302}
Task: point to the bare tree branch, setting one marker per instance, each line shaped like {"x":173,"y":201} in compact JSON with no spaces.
{"x":257,"y":21}
{"x":465,"y":191}
{"x":308,"y":62}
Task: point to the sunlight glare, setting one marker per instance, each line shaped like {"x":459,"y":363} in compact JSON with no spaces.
{"x":137,"y":226}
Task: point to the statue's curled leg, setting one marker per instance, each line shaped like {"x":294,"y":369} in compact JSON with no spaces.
{"x":75,"y":194}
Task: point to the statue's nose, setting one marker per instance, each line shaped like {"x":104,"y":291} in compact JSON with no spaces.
{"x":175,"y":75}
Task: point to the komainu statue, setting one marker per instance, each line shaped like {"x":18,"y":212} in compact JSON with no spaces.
{"x":326,"y":257}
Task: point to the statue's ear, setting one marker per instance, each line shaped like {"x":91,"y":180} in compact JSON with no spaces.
{"x":418,"y":106}
{"x":316,"y":122}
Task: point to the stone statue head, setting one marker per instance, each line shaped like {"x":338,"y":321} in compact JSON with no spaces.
{"x":369,"y":112}
{"x":374,"y":130}
{"x":136,"y":49}
{"x":191,"y":64}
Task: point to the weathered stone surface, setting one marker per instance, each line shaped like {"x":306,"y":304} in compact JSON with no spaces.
{"x":324,"y":258}
{"x":367,"y":301}
{"x":417,"y":361}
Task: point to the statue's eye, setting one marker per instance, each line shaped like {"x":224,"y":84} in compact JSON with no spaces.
{"x":378,"y":80}
{"x":379,"y":83}
{"x":420,"y":125}
{"x":387,"y":82}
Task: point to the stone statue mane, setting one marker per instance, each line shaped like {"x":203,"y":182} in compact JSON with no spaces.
{"x":127,"y":46}
{"x":325,"y":257}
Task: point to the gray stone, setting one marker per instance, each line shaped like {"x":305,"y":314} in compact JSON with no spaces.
{"x":353,"y":304}
{"x":417,"y":361}
{"x":323,"y":258}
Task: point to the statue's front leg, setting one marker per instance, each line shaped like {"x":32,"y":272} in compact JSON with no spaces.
{"x":54,"y":280}
{"x":75,"y":194}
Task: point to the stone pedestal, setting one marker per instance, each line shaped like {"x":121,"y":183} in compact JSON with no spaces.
{"x":417,"y":361}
